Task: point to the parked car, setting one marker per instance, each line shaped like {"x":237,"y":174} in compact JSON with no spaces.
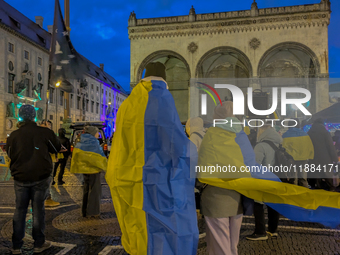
{"x":77,"y":130}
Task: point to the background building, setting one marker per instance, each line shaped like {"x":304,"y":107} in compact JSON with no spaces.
{"x":283,"y":42}
{"x":24,"y":62}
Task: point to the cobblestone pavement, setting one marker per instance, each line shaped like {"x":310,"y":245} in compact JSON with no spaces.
{"x":71,"y":234}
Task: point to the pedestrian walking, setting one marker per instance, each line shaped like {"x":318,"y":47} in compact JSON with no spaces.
{"x":49,"y":202}
{"x":62,"y":162}
{"x":31,"y":167}
{"x":265,"y":155}
{"x":324,"y":155}
{"x":299,"y":145}
{"x":222,"y":208}
{"x":89,"y":159}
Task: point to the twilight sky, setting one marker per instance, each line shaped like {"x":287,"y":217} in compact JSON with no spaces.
{"x":99,"y":28}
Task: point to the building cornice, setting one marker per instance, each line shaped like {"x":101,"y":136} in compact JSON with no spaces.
{"x":23,"y":37}
{"x":231,"y":22}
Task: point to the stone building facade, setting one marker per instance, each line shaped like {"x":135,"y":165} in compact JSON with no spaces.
{"x":283,"y":42}
{"x":24,"y":63}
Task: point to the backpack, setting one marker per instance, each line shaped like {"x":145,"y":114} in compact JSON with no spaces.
{"x":285,"y":160}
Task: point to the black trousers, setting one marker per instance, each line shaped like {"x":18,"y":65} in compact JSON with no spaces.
{"x":260,"y":224}
{"x":62,"y":163}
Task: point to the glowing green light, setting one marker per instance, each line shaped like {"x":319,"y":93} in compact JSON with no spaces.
{"x":20,"y":119}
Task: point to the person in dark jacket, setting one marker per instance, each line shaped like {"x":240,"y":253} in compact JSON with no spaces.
{"x":324,"y":154}
{"x":29,"y":149}
{"x":62,"y":162}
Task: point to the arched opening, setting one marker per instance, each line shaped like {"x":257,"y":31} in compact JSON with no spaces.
{"x":177,"y":77}
{"x":221,"y":65}
{"x":290,"y":65}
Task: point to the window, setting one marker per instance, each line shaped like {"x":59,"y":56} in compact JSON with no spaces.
{"x":10,"y":83}
{"x":39,"y":89}
{"x":27,"y":55}
{"x":11,"y":47}
{"x":16,"y":23}
{"x":97,"y":108}
{"x":27,"y":85}
{"x":87,"y":105}
{"x":51,"y":95}
{"x":61,"y":118}
{"x":10,"y":66}
{"x":78,"y":103}
{"x":51,"y":117}
{"x":97,"y":89}
{"x":39,"y":61}
{"x":61,"y":99}
{"x":102,"y":91}
{"x":102,"y":110}
{"x":110,"y":95}
{"x":106,"y":92}
{"x":92,"y":106}
{"x":91,"y":86}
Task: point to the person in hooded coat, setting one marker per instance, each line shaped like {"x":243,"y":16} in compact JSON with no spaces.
{"x":265,"y":155}
{"x":222,"y":208}
{"x":324,"y":154}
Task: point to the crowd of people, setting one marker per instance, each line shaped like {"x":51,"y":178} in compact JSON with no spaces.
{"x":149,"y":163}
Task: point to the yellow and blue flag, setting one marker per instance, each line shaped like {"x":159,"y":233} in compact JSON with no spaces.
{"x":88,"y":156}
{"x":224,"y":148}
{"x":298,"y":144}
{"x":149,"y":174}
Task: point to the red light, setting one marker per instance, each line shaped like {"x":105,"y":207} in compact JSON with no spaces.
{"x":71,"y":148}
{"x":105,"y":147}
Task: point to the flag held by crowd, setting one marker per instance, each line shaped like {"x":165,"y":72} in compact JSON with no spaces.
{"x":294,"y":202}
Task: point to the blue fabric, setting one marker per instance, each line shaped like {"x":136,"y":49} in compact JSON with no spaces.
{"x":90,"y":143}
{"x":294,"y":132}
{"x":327,"y":216}
{"x":169,"y":201}
{"x":249,"y":158}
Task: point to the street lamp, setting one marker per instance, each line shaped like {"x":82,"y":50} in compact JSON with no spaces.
{"x":57,"y":84}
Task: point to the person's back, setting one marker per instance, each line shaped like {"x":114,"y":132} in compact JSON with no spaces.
{"x":29,"y":148}
{"x":324,"y":154}
{"x":324,"y":150}
{"x":31,"y":167}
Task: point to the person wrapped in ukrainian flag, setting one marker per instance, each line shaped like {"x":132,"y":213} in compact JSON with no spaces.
{"x":89,"y":159}
{"x":149,"y":172}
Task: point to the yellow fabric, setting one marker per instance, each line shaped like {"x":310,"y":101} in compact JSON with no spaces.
{"x":219,"y":148}
{"x":60,"y":156}
{"x":54,"y":157}
{"x":125,"y":169}
{"x":246,"y":130}
{"x":86,"y":162}
{"x":279,"y":192}
{"x":5,"y":160}
{"x":300,"y":148}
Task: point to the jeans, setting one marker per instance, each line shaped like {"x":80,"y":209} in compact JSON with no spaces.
{"x":260,"y":225}
{"x":37,"y":193}
{"x":62,"y":163}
